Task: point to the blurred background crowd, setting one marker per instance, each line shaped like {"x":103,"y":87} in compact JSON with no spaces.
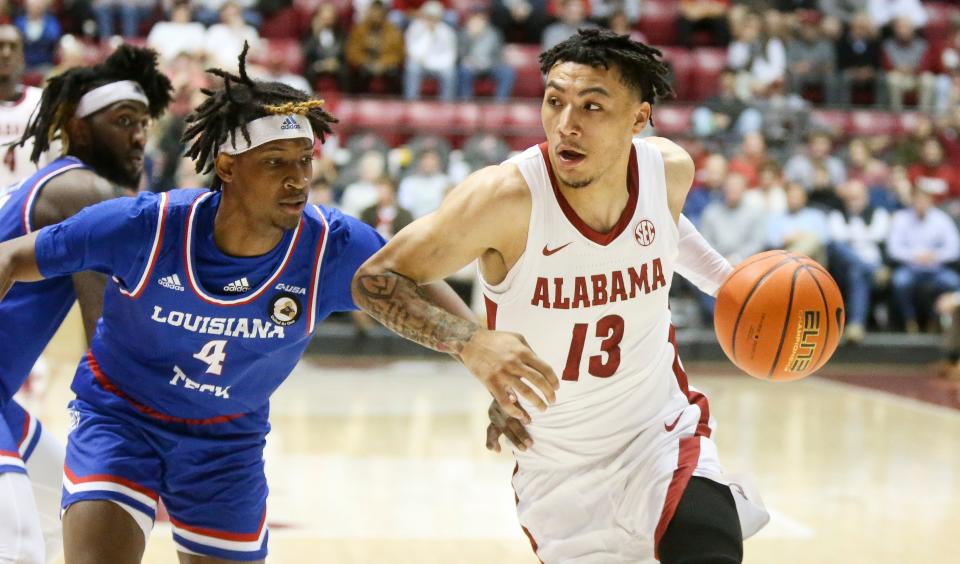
{"x":828,"y":127}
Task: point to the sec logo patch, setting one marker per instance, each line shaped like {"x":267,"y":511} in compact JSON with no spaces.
{"x":285,"y":309}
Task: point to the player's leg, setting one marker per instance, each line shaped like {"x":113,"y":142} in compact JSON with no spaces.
{"x":215,"y":491}
{"x":110,"y":483}
{"x":705,"y":528}
{"x":21,"y":540}
{"x":43,"y":455}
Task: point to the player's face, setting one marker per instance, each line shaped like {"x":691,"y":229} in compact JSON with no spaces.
{"x":11,"y":53}
{"x":589,"y":117}
{"x":275,"y":179}
{"x":118,"y":135}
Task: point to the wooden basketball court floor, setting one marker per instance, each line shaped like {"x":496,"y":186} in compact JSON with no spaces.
{"x":384,"y":462}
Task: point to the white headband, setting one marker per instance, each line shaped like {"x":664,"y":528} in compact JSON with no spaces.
{"x":102,"y":96}
{"x":266,"y":129}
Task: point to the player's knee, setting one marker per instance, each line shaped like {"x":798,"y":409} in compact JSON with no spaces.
{"x":705,"y":528}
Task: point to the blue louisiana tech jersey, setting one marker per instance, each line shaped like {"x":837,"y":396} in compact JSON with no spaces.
{"x":31,"y":312}
{"x":177,"y":350}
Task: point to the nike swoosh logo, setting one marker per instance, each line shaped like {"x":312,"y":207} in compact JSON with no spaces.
{"x":673,"y":425}
{"x":547,"y":252}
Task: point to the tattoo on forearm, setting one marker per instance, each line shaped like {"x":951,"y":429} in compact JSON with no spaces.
{"x":402,"y":306}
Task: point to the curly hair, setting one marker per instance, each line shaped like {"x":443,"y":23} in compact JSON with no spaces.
{"x":240,"y":101}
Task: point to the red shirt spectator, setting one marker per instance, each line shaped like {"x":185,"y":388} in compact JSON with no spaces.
{"x":933,"y":175}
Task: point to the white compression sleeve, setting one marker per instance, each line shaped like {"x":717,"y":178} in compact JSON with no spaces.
{"x":21,"y":541}
{"x":698,"y":262}
{"x":45,"y":467}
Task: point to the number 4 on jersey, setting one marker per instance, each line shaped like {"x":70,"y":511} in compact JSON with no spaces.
{"x":213,"y":354}
{"x":610,"y":329}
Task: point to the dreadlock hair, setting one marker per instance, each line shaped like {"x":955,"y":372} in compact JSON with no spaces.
{"x":240,"y":101}
{"x":639,"y":64}
{"x":60,"y":98}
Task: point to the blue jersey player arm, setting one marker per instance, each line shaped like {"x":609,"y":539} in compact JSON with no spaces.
{"x":112,"y":238}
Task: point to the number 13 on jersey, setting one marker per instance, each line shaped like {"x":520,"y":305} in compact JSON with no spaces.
{"x":610,"y":330}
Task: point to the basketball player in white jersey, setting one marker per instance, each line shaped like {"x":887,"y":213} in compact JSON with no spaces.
{"x":17,"y":102}
{"x":577,"y":241}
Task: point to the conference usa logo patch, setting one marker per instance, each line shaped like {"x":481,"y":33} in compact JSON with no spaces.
{"x":284,"y":309}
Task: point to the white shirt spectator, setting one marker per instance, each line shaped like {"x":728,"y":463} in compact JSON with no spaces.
{"x":170,"y":39}
{"x":433,"y":49}
{"x":764,"y":69}
{"x":864,"y":238}
{"x":224,"y":43}
{"x":882,"y":12}
{"x":910,"y":235}
{"x":422,"y":194}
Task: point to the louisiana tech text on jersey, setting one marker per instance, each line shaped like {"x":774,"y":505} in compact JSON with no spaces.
{"x":226,"y":326}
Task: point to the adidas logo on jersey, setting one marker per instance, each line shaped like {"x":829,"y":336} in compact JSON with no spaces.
{"x":172,"y":282}
{"x":237,"y":286}
{"x":290,"y":123}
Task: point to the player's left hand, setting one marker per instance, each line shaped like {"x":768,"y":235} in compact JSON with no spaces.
{"x":511,"y":427}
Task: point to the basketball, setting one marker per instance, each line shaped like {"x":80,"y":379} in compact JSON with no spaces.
{"x":779,"y":316}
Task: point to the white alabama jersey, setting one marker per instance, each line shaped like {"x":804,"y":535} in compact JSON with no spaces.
{"x":594,"y":306}
{"x":15,"y":162}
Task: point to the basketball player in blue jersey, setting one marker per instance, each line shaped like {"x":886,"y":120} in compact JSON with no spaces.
{"x":212,"y":298}
{"x":100,"y":115}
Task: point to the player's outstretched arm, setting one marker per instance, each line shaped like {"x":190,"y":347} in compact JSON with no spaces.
{"x":18,"y":262}
{"x":698,"y":262}
{"x":483,"y":215}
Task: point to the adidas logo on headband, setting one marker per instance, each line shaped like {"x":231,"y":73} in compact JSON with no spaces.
{"x":290,"y":123}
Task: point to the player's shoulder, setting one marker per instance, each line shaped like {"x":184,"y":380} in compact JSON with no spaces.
{"x":678,"y":165}
{"x":498,"y":184}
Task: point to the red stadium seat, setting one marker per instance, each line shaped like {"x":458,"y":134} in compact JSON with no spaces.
{"x":708,"y":63}
{"x":379,"y":115}
{"x":868,"y":122}
{"x":525,"y":59}
{"x":658,"y":21}
{"x":681,"y":61}
{"x":836,"y":121}
{"x":430,"y":117}
{"x":281,"y":52}
{"x":492,"y":117}
{"x":940,"y":17}
{"x":525,"y":116}
{"x":672,"y":120}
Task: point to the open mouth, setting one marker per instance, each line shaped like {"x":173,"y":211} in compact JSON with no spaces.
{"x":570,"y":157}
{"x":295,"y":206}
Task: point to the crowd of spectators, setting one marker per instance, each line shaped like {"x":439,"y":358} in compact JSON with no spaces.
{"x":880,"y":210}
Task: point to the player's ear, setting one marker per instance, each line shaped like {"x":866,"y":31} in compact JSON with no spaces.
{"x":641,"y":116}
{"x":224,"y":167}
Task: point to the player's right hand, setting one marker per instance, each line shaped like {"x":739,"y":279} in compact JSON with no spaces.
{"x":508,"y":367}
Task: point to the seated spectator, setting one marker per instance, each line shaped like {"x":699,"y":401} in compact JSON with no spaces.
{"x":859,"y":61}
{"x":906,"y":148}
{"x":362,"y":193}
{"x":610,"y":10}
{"x":131,"y":13}
{"x":422,"y":191}
{"x":750,"y":157}
{"x":374,"y":50}
{"x":863,"y":166}
{"x":41,"y":32}
{"x":905,"y":58}
{"x":178,"y":35}
{"x":949,"y":134}
{"x":572,"y":18}
{"x":947,"y":65}
{"x":818,"y":152}
{"x":802,"y":229}
{"x":933,"y":174}
{"x":522,"y":21}
{"x":619,"y":23}
{"x":784,"y":117}
{"x":842,"y":10}
{"x":385,"y":215}
{"x":323,"y":48}
{"x":811,"y":59}
{"x":725,"y":114}
{"x":769,"y":194}
{"x":405,"y":11}
{"x":224,"y":41}
{"x":759,"y":58}
{"x":924,"y":241}
{"x":707,"y":187}
{"x":703,"y":15}
{"x":431,"y":49}
{"x":885,"y":12}
{"x":321,"y":193}
{"x":481,"y":54}
{"x":948,"y":306}
{"x":733,"y":226}
{"x":207,"y":12}
{"x":485,"y":149}
{"x":857,"y":233}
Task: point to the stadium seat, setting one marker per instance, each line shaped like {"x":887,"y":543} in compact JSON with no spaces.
{"x":286,"y":52}
{"x":430,"y":117}
{"x":288,"y":23}
{"x":658,"y":21}
{"x":940,"y":18}
{"x":708,"y":63}
{"x":525,"y":59}
{"x":681,"y":63}
{"x":672,"y":120}
{"x":870,"y":122}
{"x":525,"y":116}
{"x":490,"y":117}
{"x":835,"y":121}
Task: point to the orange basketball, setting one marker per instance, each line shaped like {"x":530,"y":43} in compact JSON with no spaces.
{"x":779,"y":316}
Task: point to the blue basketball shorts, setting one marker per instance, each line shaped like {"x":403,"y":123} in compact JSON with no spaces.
{"x":19,"y":434}
{"x":210,"y":477}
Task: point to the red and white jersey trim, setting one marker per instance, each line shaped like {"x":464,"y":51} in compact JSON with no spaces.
{"x":107,"y":482}
{"x":8,"y":458}
{"x":317,"y":264}
{"x":238,"y":542}
{"x":29,"y":431}
{"x":28,"y":204}
{"x":154,"y":250}
{"x":193,"y":281}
